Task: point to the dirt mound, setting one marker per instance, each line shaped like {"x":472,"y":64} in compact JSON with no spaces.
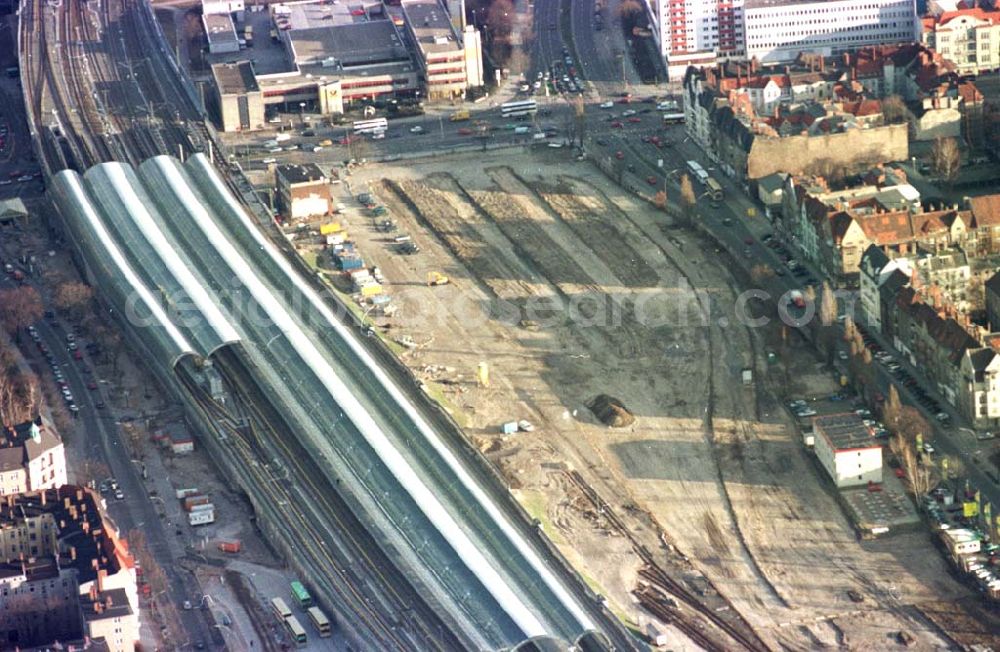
{"x":611,"y":411}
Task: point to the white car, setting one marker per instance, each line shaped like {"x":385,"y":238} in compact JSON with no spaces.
{"x":416,"y":130}
{"x":525,"y":426}
{"x":928,"y":448}
{"x":607,"y":105}
{"x":629,"y":113}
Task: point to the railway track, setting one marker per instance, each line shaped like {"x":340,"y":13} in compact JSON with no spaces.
{"x":728,"y":621}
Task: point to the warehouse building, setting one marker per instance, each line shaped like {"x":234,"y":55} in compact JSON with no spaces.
{"x":236,"y":97}
{"x":846,"y":449}
{"x":303,"y":191}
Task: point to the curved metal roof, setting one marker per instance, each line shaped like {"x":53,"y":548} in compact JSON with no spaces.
{"x":107,"y":263}
{"x":128,"y":210}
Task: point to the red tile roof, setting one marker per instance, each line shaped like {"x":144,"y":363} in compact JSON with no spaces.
{"x":986,"y":210}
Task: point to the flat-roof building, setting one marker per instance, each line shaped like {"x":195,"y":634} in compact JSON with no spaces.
{"x":303,"y":191}
{"x":333,"y":54}
{"x":847,"y":450}
{"x":236,"y":96}
{"x":221,"y":33}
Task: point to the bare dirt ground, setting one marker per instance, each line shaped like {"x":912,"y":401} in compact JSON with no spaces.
{"x":570,"y":288}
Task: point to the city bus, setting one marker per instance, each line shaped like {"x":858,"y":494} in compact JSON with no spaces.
{"x":320,"y":622}
{"x":514,"y":109}
{"x":714,"y":189}
{"x":673,"y":119}
{"x":280,"y":609}
{"x":295,"y":631}
{"x":301,"y":595}
{"x":697,"y":172}
{"x":371,"y":126}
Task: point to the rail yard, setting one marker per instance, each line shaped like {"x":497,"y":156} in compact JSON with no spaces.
{"x":100,"y":104}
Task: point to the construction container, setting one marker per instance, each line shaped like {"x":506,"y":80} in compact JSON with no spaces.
{"x":201,"y":518}
{"x":336,"y":238}
{"x":184,"y":493}
{"x":232,"y":547}
{"x":371,"y":289}
{"x":191,"y":501}
{"x":509,"y":428}
{"x":330,"y":227}
{"x":656,"y":637}
{"x":201,"y":507}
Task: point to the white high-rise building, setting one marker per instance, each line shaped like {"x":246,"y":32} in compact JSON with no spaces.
{"x":702,"y":32}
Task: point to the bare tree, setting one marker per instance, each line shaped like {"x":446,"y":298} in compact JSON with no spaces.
{"x":20,"y":307}
{"x":946,"y":158}
{"x":895,"y":111}
{"x":579,"y":118}
{"x":761,"y":273}
{"x":92,"y":472}
{"x":892,"y":410}
{"x":631,"y":14}
{"x":688,"y":197}
{"x":827,"y":305}
{"x":912,"y":424}
{"x":74,"y":298}
{"x":850,"y":330}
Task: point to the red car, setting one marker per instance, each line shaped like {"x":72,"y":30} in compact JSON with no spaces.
{"x":617,"y":124}
{"x":91,"y":385}
{"x":748,"y":241}
{"x":464,"y":131}
{"x":651,"y":180}
{"x":635,"y":120}
{"x":619,"y":155}
{"x":78,"y":355}
{"x":625,"y":100}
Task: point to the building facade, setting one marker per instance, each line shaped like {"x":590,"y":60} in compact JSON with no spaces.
{"x":968,"y":38}
{"x":32,"y":457}
{"x":847,"y":451}
{"x":705,"y":32}
{"x":303,"y":191}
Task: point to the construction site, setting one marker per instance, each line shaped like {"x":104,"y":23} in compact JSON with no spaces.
{"x":539,"y":294}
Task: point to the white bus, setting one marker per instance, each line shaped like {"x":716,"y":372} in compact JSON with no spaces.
{"x":523,"y":107}
{"x":320,"y":622}
{"x":281,"y":610}
{"x":673,"y":119}
{"x":375,"y":125}
{"x":698,"y":172}
{"x":295,"y":631}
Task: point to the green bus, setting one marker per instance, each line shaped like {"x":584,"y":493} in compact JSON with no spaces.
{"x":301,"y":595}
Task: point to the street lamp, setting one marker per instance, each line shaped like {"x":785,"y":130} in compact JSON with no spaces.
{"x":302,"y":113}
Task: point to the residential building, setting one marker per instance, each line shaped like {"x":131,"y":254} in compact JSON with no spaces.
{"x":877,"y":269}
{"x":779,"y":30}
{"x":992,"y":288}
{"x":980,"y":391}
{"x":303,"y":191}
{"x":32,"y":457}
{"x":64,"y":575}
{"x":847,"y":450}
{"x":968,"y":38}
{"x":236,"y":98}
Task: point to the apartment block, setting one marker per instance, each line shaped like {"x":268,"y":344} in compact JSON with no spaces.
{"x":967,"y":38}
{"x":847,"y":450}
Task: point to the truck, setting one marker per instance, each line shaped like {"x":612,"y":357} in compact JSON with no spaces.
{"x":231,"y":546}
{"x":460,"y":116}
{"x":184,"y":493}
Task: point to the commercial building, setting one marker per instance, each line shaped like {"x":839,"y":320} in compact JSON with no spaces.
{"x":236,"y":97}
{"x":705,"y":32}
{"x":326,"y":56}
{"x":64,"y":573}
{"x":32,"y":457}
{"x":967,"y":38}
{"x":303,"y":191}
{"x":777,"y":31}
{"x":448,"y":64}
{"x":846,"y":449}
